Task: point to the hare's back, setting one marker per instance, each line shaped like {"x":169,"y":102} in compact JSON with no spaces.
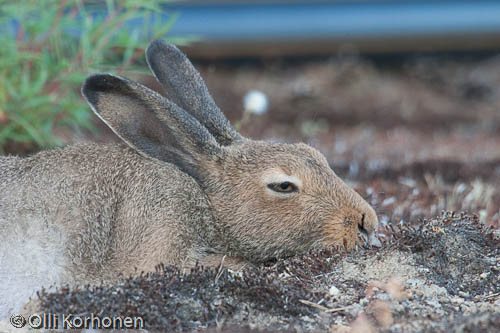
{"x":88,"y":174}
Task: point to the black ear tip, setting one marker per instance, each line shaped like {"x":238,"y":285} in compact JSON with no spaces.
{"x":157,"y":43}
{"x":99,"y":83}
{"x":155,"y":47}
{"x":160,"y":47}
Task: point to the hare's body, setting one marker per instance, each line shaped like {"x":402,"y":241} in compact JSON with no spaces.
{"x":90,"y":212}
{"x":184,"y":187}
{"x":112,"y":205}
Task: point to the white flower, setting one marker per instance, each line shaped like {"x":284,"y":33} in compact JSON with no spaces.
{"x":255,"y":102}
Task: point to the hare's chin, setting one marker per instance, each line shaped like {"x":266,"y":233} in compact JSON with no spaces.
{"x":342,"y":242}
{"x":340,"y":234}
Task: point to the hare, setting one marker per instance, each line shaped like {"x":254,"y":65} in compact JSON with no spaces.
{"x":183,"y":187}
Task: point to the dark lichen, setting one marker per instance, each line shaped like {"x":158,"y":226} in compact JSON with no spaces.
{"x":457,"y":249}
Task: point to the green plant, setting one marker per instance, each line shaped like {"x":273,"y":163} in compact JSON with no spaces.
{"x":49,"y":47}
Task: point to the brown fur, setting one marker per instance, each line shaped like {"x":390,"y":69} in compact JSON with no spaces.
{"x":184,"y":188}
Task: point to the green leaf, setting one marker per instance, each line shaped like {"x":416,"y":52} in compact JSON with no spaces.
{"x":41,"y":74}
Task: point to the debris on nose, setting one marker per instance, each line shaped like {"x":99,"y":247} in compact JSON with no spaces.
{"x":369,"y":239}
{"x":373,"y":240}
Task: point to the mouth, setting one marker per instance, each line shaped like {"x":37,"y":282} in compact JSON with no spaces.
{"x":349,"y":231}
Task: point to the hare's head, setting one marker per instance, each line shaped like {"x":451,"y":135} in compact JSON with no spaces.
{"x":269,"y":199}
{"x":278,"y":199}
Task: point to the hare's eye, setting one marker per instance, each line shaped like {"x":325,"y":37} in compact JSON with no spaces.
{"x":285,"y":187}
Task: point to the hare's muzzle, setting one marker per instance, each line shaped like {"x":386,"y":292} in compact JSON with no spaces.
{"x":346,"y":227}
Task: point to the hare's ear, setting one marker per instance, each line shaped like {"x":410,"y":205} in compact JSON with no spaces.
{"x":148,"y":122}
{"x":186,"y":88}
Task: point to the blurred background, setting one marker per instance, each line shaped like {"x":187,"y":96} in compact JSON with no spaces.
{"x":402,"y":96}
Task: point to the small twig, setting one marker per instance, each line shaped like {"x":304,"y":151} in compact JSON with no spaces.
{"x":219,"y":273}
{"x":324,"y":308}
{"x":314,"y":305}
{"x":324,"y":274}
{"x":339,"y":309}
{"x":492,"y":296}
